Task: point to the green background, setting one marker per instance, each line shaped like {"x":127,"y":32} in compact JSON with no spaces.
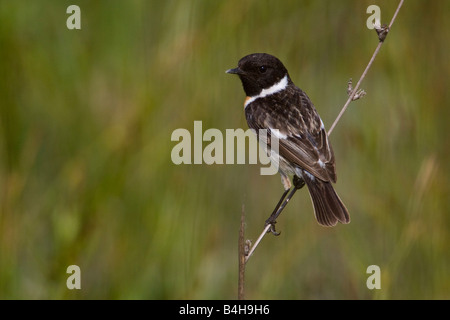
{"x":86,"y":176}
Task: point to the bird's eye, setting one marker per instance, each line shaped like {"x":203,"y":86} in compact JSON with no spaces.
{"x":262,"y":69}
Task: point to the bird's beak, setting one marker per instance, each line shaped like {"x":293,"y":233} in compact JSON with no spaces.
{"x":234,"y":71}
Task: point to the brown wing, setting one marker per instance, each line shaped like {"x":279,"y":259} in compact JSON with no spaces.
{"x":304,"y":141}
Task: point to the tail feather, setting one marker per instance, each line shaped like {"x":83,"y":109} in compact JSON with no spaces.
{"x":328,"y":207}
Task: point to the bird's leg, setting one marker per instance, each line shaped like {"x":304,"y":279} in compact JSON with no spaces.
{"x":287,"y":186}
{"x":274,"y":215}
{"x":298,"y":184}
{"x":281,"y":204}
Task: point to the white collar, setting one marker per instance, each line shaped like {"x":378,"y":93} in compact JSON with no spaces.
{"x":277,"y":87}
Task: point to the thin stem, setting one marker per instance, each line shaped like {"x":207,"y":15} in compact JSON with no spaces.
{"x":396,"y":13}
{"x":266,"y":229}
{"x":350,"y":98}
{"x":242,"y":258}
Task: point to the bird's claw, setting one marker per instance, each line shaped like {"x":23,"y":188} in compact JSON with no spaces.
{"x":272,"y":227}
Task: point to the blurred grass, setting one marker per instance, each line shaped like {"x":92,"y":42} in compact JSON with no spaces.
{"x":86,"y":176}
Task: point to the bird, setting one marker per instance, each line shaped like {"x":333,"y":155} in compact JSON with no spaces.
{"x":272,"y":102}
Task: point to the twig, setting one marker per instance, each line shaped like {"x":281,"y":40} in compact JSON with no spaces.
{"x":266,"y":229}
{"x":241,"y":289}
{"x":350,"y":98}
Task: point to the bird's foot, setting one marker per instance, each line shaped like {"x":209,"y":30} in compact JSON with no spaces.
{"x":272,"y":222}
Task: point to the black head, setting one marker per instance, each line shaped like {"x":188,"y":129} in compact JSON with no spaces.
{"x":259,"y":71}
